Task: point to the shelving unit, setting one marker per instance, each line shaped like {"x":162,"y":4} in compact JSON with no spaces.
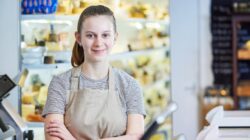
{"x":230,"y":27}
{"x":237,"y":24}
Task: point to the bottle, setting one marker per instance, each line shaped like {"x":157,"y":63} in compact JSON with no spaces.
{"x":52,"y":35}
{"x":52,"y":43}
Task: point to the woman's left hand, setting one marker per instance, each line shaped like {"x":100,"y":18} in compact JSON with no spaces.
{"x":57,"y":129}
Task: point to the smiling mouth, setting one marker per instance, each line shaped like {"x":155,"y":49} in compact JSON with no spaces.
{"x":99,"y":51}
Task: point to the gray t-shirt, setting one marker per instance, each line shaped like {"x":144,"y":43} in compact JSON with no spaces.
{"x":126,"y":87}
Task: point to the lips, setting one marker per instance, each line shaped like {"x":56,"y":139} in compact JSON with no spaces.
{"x":99,"y":51}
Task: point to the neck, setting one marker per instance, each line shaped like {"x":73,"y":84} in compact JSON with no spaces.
{"x":95,"y":71}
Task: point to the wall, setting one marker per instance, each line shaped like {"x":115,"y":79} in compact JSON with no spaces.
{"x":206,"y":76}
{"x":9,"y":42}
{"x":191,"y":62}
{"x":184,"y":39}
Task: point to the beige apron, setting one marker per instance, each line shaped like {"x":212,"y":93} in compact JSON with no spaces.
{"x":94,"y":113}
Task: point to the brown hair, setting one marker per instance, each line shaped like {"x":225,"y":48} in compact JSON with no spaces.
{"x":77,"y":53}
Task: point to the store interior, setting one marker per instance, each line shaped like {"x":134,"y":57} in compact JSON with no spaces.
{"x":192,"y":53}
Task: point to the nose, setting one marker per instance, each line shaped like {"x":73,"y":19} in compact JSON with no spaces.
{"x":98,"y":41}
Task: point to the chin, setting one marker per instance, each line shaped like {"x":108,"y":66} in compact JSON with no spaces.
{"x":99,"y":58}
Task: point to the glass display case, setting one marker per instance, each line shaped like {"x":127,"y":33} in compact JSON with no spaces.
{"x":142,"y":50}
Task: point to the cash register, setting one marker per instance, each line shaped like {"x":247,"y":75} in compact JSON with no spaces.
{"x":226,"y":125}
{"x":11,"y":123}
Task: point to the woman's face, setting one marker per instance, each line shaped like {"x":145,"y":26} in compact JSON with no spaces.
{"x":97,"y":37}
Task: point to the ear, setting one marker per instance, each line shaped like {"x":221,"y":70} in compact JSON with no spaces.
{"x":116,"y":36}
{"x":78,"y":38}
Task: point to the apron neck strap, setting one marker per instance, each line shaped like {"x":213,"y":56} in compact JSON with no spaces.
{"x":76,"y":72}
{"x":111,"y":80}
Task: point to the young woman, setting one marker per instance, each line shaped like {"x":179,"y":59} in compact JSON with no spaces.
{"x":94,"y":100}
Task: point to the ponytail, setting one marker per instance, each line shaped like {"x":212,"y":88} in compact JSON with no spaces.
{"x":77,"y":57}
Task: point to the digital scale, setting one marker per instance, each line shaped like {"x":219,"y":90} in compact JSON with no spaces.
{"x":11,"y":123}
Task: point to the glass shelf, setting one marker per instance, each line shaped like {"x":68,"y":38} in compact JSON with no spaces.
{"x":37,"y":17}
{"x":44,"y":66}
{"x":117,"y":56}
{"x":142,"y":20}
{"x":137,"y":53}
{"x":49,"y":17}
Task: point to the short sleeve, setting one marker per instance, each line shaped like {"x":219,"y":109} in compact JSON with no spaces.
{"x":134,"y":98}
{"x":56,"y":98}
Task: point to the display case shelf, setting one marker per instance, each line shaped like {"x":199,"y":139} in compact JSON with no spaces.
{"x":44,"y":66}
{"x":143,"y":20}
{"x":115,"y":56}
{"x":244,"y":59}
{"x":130,"y":54}
{"x":51,"y":17}
{"x":122,"y":54}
